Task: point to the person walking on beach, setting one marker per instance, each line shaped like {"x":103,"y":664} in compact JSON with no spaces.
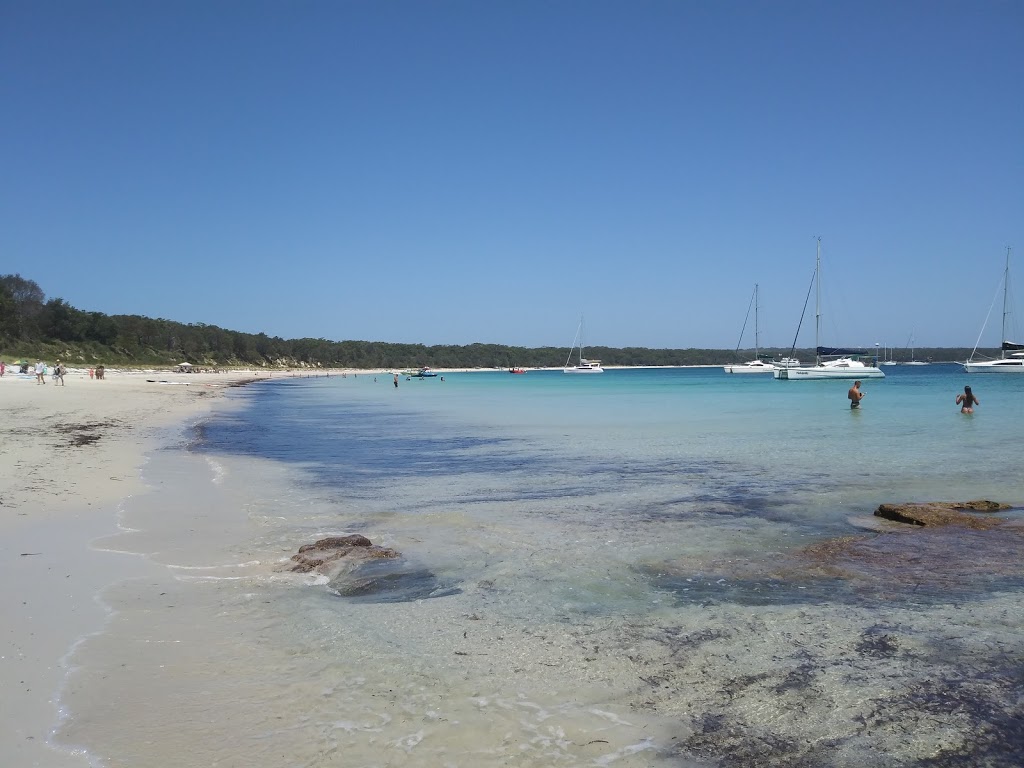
{"x":58,"y":373}
{"x":966,"y":400}
{"x":855,"y":395}
{"x":40,"y":372}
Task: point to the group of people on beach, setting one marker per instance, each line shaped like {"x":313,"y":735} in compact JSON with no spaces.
{"x":58,"y":372}
{"x":966,"y":399}
{"x":40,"y":369}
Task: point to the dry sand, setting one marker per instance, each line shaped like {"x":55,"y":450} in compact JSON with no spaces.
{"x":68,"y":456}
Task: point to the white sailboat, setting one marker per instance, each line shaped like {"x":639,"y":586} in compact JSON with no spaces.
{"x":910,"y":344}
{"x":1011,"y":358}
{"x":584,"y":365}
{"x":832,"y":363}
{"x":757,"y":365}
{"x":887,"y":357}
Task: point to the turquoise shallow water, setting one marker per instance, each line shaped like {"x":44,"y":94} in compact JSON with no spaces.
{"x":907,"y":442}
{"x":598,"y":570}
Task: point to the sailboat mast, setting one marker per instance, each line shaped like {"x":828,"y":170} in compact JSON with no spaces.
{"x":1006,"y":306}
{"x":757,"y":328}
{"x":581,"y":339}
{"x":817,"y":298}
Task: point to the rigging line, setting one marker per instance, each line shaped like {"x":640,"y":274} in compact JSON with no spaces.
{"x":745,"y":319}
{"x":575,"y":339}
{"x":987,"y":316}
{"x":807,"y":299}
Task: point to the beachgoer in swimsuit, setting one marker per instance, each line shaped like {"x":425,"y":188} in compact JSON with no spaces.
{"x":967,"y":401}
{"x":855,"y":395}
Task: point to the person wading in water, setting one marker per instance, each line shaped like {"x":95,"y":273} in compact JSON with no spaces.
{"x":855,"y":395}
{"x":966,"y":400}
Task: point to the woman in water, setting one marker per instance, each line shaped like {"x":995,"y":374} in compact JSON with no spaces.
{"x":967,"y":401}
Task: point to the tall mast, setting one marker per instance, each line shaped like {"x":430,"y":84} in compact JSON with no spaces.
{"x":757,"y":329}
{"x":817,"y":298}
{"x":1006,"y":307}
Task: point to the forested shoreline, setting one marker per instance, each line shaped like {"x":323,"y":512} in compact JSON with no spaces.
{"x":32,"y":326}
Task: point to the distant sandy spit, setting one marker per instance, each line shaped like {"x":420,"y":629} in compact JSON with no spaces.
{"x":68,"y":456}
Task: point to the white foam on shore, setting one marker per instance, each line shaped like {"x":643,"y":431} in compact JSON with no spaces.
{"x":218,"y":469}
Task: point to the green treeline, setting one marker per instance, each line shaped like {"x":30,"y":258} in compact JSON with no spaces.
{"x":33,"y":327}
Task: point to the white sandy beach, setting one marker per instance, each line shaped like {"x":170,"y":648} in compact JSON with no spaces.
{"x":69,"y":455}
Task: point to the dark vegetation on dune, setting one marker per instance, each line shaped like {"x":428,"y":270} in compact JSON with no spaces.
{"x":32,"y":326}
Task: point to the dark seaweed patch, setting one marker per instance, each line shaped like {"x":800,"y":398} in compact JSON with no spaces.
{"x":878,"y":644}
{"x":734,"y":744}
{"x":990,"y":703}
{"x":84,"y":433}
{"x":800,"y":679}
{"x":701,"y":588}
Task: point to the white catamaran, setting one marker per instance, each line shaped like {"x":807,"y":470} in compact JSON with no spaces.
{"x":1011,"y":358}
{"x":584,"y":365}
{"x":757,"y":365}
{"x":832,"y":363}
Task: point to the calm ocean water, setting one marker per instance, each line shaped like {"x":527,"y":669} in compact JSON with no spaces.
{"x":632,"y":569}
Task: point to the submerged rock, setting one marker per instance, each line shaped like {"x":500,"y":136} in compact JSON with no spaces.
{"x":359,"y":569}
{"x":944,"y":553}
{"x":941,"y":513}
{"x":389,"y":581}
{"x":323,"y":555}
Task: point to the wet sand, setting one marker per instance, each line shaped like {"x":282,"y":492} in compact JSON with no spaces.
{"x":68,"y":456}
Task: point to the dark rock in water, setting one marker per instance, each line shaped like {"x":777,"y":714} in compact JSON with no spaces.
{"x":940,"y":513}
{"x":323,"y":556}
{"x":359,"y":569}
{"x":389,"y":581}
{"x":352,"y":540}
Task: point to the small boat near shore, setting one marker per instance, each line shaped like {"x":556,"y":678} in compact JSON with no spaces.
{"x":424,"y":373}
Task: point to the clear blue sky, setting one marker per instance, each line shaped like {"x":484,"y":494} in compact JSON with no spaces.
{"x":451,"y":172}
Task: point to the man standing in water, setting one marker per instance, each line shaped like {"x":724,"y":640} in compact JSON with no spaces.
{"x":855,"y":395}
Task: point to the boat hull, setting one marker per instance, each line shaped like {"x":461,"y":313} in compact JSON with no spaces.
{"x":822,"y":372}
{"x":996,"y":366}
{"x":587,"y":369}
{"x":748,"y":368}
